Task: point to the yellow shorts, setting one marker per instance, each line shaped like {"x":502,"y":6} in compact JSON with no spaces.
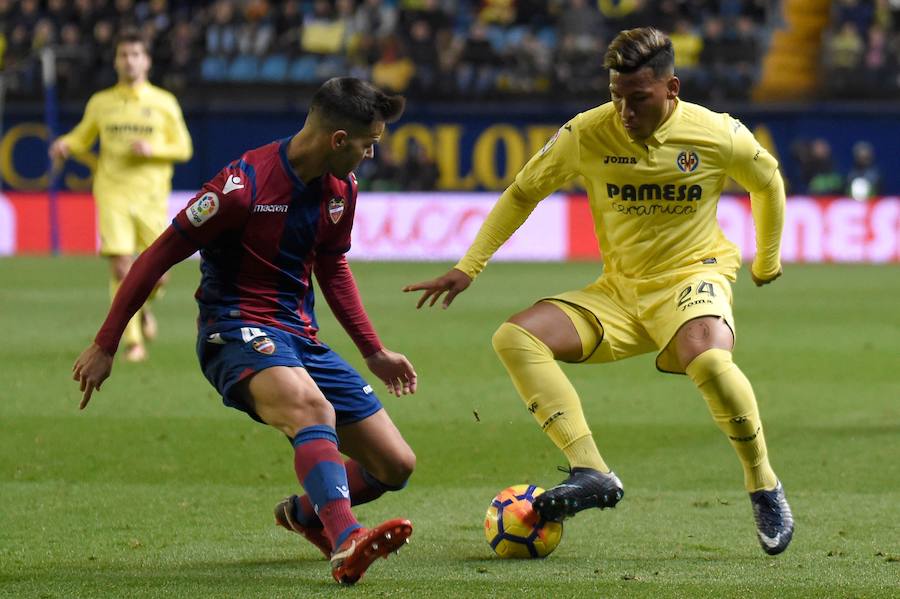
{"x":618,"y":317}
{"x":127,"y":228}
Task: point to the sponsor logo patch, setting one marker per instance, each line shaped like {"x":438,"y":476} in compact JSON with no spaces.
{"x":687,"y":161}
{"x":203,"y":209}
{"x":264,"y":345}
{"x":232,"y":182}
{"x":335,"y":209}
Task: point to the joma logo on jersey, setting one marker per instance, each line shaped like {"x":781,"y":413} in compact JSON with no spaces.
{"x":271,"y":208}
{"x":619,"y":160}
{"x":641,"y":193}
{"x":687,"y":161}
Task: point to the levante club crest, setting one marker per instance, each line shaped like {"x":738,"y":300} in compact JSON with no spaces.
{"x":264,"y":345}
{"x":335,"y":209}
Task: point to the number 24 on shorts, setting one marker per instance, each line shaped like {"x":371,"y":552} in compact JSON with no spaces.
{"x":692,"y":295}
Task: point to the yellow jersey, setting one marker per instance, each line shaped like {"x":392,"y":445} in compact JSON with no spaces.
{"x":653,"y":201}
{"x":121,"y":115}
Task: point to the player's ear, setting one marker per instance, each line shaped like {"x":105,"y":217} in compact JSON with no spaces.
{"x":339,"y":139}
{"x":673,"y":86}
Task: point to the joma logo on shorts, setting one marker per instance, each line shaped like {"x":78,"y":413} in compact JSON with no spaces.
{"x":619,"y":160}
{"x":640,"y":193}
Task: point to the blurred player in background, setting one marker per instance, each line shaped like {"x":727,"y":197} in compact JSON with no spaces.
{"x":142,"y":132}
{"x":263,"y":226}
{"x":654,"y":167}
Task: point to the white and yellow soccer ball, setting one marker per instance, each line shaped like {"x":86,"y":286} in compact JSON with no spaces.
{"x":514,"y":530}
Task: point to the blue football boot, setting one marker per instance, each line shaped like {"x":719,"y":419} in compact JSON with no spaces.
{"x":774,"y":521}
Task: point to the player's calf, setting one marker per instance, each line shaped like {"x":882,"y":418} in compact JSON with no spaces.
{"x":584,"y":488}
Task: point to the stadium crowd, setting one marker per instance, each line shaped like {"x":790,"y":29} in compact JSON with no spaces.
{"x":426,"y":48}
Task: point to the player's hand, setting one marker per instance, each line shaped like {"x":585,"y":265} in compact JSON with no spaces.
{"x":453,"y":283}
{"x":394,"y":370}
{"x":59,"y":150}
{"x":90,"y":369}
{"x":142,"y":148}
{"x":759,"y":282}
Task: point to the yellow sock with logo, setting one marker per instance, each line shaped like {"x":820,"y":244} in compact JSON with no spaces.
{"x":549,"y":395}
{"x":132,"y":334}
{"x":731,"y":402}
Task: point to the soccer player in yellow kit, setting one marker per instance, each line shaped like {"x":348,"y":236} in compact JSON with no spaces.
{"x":654,"y":167}
{"x":142,"y":132}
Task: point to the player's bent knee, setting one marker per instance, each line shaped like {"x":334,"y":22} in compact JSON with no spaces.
{"x":397,"y":471}
{"x":510,"y":337}
{"x":701,"y":334}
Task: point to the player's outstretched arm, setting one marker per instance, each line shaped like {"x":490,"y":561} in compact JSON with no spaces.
{"x":91,"y":368}
{"x":394,"y":370}
{"x":453,"y":283}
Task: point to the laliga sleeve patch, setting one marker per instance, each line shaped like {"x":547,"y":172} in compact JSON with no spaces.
{"x":203,"y":209}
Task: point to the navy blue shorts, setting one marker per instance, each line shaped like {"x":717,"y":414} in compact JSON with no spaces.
{"x":231,"y":356}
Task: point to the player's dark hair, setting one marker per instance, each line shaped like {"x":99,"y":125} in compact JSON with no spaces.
{"x":343,"y":100}
{"x":130,"y":35}
{"x":634,"y":49}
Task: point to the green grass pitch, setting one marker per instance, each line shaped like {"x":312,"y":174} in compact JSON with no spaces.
{"x":157,"y":490}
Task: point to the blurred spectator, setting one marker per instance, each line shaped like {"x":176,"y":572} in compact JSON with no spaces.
{"x":864,"y":179}
{"x":500,"y":12}
{"x":419,"y":172}
{"x":376,"y":18}
{"x":177,"y":58}
{"x":222,"y":32}
{"x":73,"y":58}
{"x":256,"y":34}
{"x":579,"y":71}
{"x":582,"y":23}
{"x":323,"y":32}
{"x":817,"y":168}
{"x":478,"y":62}
{"x":424,"y":53}
{"x":687,"y":45}
{"x":288,"y":26}
{"x":393,"y":70}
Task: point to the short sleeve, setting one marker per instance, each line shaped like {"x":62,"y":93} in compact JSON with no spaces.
{"x":751,"y":165}
{"x":221,"y":206}
{"x":554,"y":165}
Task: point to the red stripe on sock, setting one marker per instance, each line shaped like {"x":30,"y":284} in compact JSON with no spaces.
{"x":336,"y":517}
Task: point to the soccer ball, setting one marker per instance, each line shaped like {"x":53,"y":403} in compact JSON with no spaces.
{"x":514,"y":530}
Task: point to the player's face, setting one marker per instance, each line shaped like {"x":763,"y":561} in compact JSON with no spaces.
{"x":353,"y":147}
{"x":132,"y":62}
{"x":642,"y":100}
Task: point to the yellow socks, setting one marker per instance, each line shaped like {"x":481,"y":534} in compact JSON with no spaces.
{"x":549,"y":395}
{"x":132,"y":334}
{"x":733,"y":406}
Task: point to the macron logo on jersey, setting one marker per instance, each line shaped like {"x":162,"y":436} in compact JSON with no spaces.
{"x":270,"y":208}
{"x":203,"y":209}
{"x":232,"y":182}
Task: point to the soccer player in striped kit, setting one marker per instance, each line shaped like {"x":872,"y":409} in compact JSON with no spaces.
{"x":264,"y":225}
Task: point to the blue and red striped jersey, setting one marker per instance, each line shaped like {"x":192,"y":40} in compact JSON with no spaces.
{"x":259,"y":229}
